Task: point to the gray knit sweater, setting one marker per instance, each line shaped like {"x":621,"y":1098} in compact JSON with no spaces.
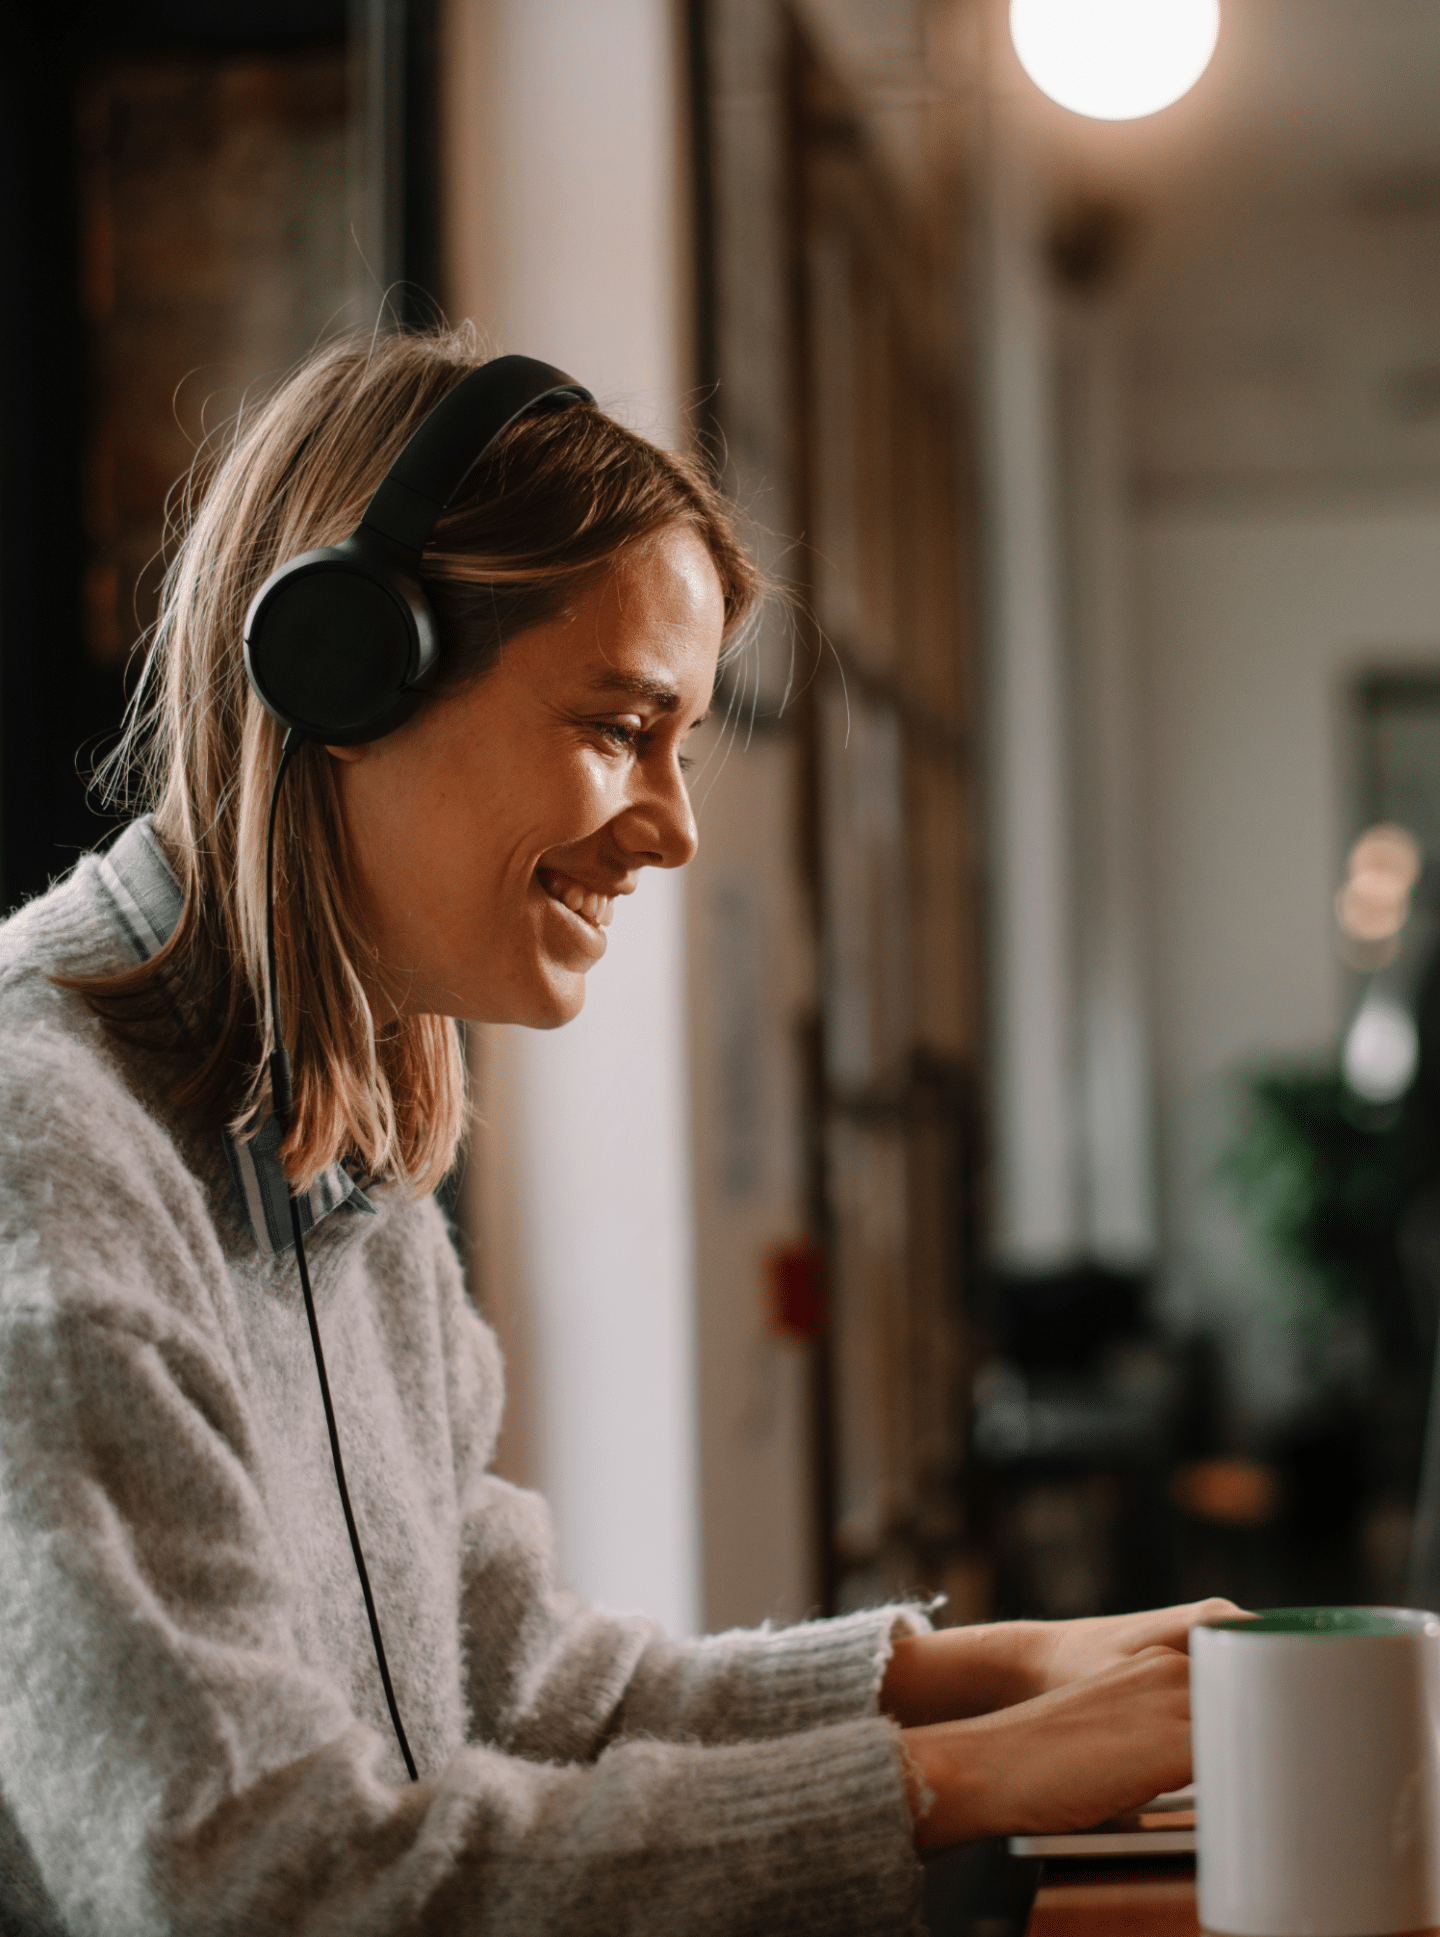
{"x":193,"y":1737}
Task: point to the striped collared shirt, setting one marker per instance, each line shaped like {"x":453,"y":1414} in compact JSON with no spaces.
{"x":146,"y":899}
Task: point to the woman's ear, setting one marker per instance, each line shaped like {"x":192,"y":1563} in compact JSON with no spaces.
{"x":348,"y":753}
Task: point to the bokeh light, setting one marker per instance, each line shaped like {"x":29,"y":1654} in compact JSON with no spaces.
{"x":1382,"y":1049}
{"x":1374,"y":904}
{"x":1114,"y":60}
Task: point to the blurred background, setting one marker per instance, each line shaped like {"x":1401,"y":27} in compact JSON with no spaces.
{"x":1007,"y":1164}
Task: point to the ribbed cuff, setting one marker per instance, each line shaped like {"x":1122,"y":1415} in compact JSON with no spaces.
{"x":755,"y":1683}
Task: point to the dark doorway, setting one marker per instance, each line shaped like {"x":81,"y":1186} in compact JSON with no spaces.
{"x":184,"y":214}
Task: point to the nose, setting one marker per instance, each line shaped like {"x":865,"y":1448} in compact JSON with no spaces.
{"x":657,"y":829}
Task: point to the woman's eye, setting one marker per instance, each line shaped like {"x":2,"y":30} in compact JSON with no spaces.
{"x":634,"y":739}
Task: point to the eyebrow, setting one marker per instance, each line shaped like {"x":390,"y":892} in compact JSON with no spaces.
{"x":658,"y":691}
{"x":639,"y":686}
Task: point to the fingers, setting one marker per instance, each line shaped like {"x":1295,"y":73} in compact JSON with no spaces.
{"x":1172,"y":1625}
{"x":1156,"y":1653}
{"x":1214,"y":1609}
{"x":1167,"y":1660}
{"x":1063,"y":1760}
{"x":1148,"y":1673}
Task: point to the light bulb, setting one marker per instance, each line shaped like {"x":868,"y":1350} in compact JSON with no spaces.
{"x":1114,"y":60}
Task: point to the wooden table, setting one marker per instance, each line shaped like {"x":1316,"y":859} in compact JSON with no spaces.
{"x":1123,"y":1904}
{"x":1115,"y":1903}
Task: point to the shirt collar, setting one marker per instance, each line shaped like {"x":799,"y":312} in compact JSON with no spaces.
{"x":146,"y":900}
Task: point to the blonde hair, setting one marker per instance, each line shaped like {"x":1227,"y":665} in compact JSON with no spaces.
{"x":556,"y":500}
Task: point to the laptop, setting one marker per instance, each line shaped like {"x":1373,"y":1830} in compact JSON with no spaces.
{"x":1164,"y":1826}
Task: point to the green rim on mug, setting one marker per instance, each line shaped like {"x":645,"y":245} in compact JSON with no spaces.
{"x":1336,"y":1623}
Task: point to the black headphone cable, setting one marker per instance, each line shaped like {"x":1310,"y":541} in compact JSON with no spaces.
{"x":282,"y":1102}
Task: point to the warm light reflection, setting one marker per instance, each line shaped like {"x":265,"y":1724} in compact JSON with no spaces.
{"x":1114,"y":60}
{"x":1374,"y":904}
{"x":1241,"y":1492}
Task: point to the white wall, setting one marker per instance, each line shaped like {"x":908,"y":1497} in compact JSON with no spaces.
{"x":1253,"y":620}
{"x":565,"y":176}
{"x":567,"y":197}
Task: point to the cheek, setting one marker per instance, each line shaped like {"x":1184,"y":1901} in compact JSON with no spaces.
{"x":376,"y":817}
{"x":481,"y":844}
{"x":560,"y":800}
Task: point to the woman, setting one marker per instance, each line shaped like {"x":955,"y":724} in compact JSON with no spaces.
{"x":195,"y":1733}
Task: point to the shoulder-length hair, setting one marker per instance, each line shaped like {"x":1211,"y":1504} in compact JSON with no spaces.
{"x":559,"y":497}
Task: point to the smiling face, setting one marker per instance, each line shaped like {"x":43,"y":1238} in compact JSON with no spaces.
{"x":492,"y":834}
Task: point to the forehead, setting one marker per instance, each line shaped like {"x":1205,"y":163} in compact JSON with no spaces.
{"x":651,"y":628}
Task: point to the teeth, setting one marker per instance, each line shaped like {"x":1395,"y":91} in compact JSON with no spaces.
{"x":592,"y":906}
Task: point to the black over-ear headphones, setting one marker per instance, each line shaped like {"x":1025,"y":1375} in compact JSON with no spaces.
{"x":339,"y":642}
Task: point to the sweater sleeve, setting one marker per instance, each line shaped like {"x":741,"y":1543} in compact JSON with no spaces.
{"x":173,"y":1763}
{"x":554,"y":1678}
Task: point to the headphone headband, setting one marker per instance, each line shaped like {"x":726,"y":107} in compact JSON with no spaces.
{"x":442,"y":452}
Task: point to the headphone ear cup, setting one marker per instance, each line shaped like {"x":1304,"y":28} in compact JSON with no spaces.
{"x":338,"y":644}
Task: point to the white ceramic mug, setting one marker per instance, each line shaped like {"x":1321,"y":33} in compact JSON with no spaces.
{"x":1317,"y":1772}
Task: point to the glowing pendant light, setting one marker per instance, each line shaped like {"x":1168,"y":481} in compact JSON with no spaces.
{"x":1114,"y":60}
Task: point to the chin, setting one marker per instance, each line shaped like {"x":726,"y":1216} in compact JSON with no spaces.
{"x":554,"y":1006}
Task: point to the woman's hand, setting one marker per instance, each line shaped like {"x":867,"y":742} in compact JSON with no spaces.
{"x":961,"y":1672}
{"x":1062,"y":1760}
{"x":1068,"y":1651}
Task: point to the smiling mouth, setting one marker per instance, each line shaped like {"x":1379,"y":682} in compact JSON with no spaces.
{"x":588,"y":903}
